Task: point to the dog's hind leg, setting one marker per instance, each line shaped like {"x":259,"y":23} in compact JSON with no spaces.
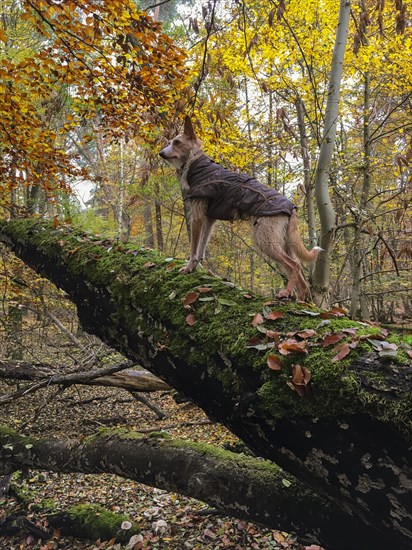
{"x":205,"y":235}
{"x":269,"y":236}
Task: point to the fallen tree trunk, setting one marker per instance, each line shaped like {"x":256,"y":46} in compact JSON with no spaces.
{"x":342,"y":426}
{"x":237,"y":485}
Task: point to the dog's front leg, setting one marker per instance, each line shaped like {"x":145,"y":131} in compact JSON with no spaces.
{"x":195,"y":232}
{"x":198,"y":220}
{"x":206,"y":232}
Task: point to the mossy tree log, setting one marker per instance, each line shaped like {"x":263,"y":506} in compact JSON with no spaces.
{"x":349,"y":438}
{"x":238,"y":485}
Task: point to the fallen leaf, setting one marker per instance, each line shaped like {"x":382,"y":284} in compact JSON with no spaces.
{"x":257,"y":319}
{"x":273,"y":315}
{"x":226,"y":302}
{"x":273,"y":334}
{"x":301,"y":377}
{"x":190,"y":319}
{"x":307,"y":333}
{"x":334,"y":312}
{"x":204,"y":289}
{"x":351,"y":331}
{"x":190,"y":298}
{"x":274,"y":362}
{"x":289,"y":345}
{"x":332,"y":338}
{"x":344,"y":350}
{"x":307,"y":312}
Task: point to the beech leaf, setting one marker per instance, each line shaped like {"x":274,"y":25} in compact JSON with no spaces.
{"x":344,"y":350}
{"x":190,"y":319}
{"x":190,"y":298}
{"x":274,"y":362}
{"x":273,"y":315}
{"x":257,"y":319}
{"x":332,"y":338}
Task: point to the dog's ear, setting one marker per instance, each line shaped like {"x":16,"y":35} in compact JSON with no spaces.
{"x":189,"y":131}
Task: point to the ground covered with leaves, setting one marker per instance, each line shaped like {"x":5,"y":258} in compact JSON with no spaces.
{"x":165,"y":520}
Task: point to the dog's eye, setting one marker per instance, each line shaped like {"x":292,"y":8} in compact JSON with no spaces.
{"x":176,"y":142}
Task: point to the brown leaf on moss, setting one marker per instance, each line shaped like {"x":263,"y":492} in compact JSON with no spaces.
{"x":332,"y":338}
{"x":334,"y":312}
{"x":257,"y":319}
{"x":273,"y":315}
{"x":343,"y":351}
{"x":273,"y":334}
{"x":307,"y":333}
{"x":204,"y":289}
{"x":291,"y":344}
{"x":190,"y":319}
{"x":300,"y":382}
{"x":190,"y":298}
{"x":274,"y":362}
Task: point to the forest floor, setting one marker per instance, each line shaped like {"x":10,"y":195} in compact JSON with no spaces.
{"x":166,"y":521}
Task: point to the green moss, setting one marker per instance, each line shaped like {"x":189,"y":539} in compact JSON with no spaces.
{"x":95,"y":522}
{"x":147,"y":297}
{"x":48,"y":504}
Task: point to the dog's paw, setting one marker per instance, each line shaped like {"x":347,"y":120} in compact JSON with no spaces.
{"x":283,"y":295}
{"x":189,"y":267}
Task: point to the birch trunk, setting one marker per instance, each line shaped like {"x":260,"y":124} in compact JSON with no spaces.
{"x":327,"y":215}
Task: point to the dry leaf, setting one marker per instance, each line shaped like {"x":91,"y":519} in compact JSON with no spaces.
{"x":307,"y":333}
{"x":190,"y":319}
{"x":301,"y":377}
{"x":274,"y":362}
{"x":273,"y":315}
{"x":289,"y":345}
{"x":344,"y":350}
{"x":257,"y":319}
{"x":332,"y":338}
{"x":190,"y":298}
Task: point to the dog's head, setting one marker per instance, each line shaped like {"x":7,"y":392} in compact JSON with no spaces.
{"x":182,"y":147}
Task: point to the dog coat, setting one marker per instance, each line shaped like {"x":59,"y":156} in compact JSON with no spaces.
{"x":232,"y":195}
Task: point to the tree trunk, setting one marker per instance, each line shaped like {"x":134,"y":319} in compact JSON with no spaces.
{"x":347,"y":433}
{"x":362,"y":215}
{"x":237,"y":485}
{"x":327,"y":215}
{"x":307,"y":170}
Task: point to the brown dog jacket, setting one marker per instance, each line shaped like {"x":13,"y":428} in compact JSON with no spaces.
{"x":232,"y":195}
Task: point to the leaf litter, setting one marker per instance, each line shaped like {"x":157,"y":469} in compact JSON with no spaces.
{"x":168,"y":521}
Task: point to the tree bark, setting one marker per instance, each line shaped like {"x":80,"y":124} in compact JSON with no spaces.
{"x":327,"y":215}
{"x":237,"y":485}
{"x":132,"y":380}
{"x":348,"y":438}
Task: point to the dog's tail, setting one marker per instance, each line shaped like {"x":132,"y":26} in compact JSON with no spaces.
{"x":295,"y":242}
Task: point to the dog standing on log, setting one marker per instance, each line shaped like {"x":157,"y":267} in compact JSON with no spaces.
{"x":216,"y":193}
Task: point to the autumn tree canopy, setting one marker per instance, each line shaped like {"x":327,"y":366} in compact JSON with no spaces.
{"x":79,"y":62}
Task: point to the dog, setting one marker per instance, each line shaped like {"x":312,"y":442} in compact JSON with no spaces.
{"x":215,"y":193}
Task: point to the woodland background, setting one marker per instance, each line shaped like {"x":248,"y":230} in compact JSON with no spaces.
{"x":91,"y":91}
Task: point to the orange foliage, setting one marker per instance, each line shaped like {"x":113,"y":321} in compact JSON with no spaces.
{"x":104,"y":61}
